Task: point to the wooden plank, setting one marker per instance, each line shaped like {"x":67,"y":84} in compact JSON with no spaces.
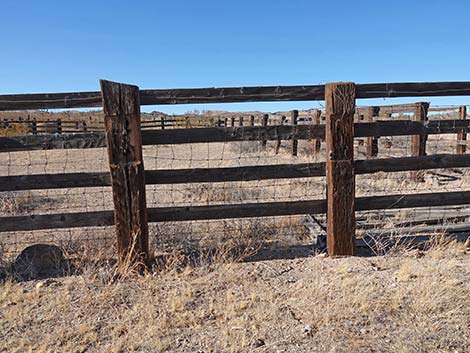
{"x":246,"y":133}
{"x":249,"y":210}
{"x":462,"y":136}
{"x":233,"y":94}
{"x":228,"y":174}
{"x":418,"y":142}
{"x":47,"y":142}
{"x":388,"y":109}
{"x":340,"y":107}
{"x":121,"y":108}
{"x":295,"y":142}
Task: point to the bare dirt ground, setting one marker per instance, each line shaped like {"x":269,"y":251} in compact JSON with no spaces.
{"x":405,"y":302}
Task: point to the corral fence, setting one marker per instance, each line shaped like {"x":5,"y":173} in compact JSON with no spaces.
{"x":59,"y":126}
{"x":124,"y":137}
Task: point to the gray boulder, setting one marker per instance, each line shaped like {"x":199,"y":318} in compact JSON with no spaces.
{"x":39,"y":261}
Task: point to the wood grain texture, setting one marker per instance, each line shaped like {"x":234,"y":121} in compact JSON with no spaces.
{"x":260,"y":209}
{"x":234,"y":94}
{"x":340,"y":108}
{"x":123,"y":135}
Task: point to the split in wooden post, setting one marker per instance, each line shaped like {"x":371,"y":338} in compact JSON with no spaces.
{"x":339,"y":130}
{"x":462,"y":136}
{"x":418,"y":142}
{"x":121,"y":105}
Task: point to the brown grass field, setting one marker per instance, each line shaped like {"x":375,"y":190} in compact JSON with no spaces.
{"x":207,"y":294}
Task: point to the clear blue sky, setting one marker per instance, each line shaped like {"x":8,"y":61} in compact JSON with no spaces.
{"x":53,"y":46}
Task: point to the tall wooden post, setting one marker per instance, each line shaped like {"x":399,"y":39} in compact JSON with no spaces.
{"x":264,"y":122}
{"x":252,"y":120}
{"x":316,"y":142}
{"x":372,"y":142}
{"x":59,"y":126}
{"x":240,"y":121}
{"x":295,"y":142}
{"x":121,"y":105}
{"x":339,"y":128}
{"x":418,"y":142}
{"x":232,"y":121}
{"x":462,"y":136}
{"x":225,"y":122}
{"x":162,"y":122}
{"x":34,"y":127}
{"x":278,"y":143}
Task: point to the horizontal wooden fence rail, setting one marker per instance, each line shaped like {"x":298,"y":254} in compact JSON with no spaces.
{"x":232,"y":134}
{"x":228,"y":174}
{"x":230,"y":211}
{"x":233,"y":95}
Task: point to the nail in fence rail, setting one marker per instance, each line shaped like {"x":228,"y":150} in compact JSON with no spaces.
{"x":340,"y":108}
{"x":418,"y":142}
{"x":123,"y":135}
{"x":462,"y":136}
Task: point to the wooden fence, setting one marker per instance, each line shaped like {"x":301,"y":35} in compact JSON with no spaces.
{"x":124,"y":138}
{"x":59,"y":126}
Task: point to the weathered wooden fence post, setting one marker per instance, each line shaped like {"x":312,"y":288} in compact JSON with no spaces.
{"x":232,"y":121}
{"x":295,"y":142}
{"x":121,"y":105}
{"x":372,"y":144}
{"x":252,"y":120}
{"x":162,"y":122}
{"x":462,"y":136}
{"x":34,"y":127}
{"x":316,"y":142}
{"x":341,"y":226}
{"x":278,"y":142}
{"x":225,"y":122}
{"x":240,"y":121}
{"x":418,"y":142}
{"x":264,"y":122}
{"x":59,"y":126}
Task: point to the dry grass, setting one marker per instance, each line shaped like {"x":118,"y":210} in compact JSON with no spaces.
{"x":410,"y":303}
